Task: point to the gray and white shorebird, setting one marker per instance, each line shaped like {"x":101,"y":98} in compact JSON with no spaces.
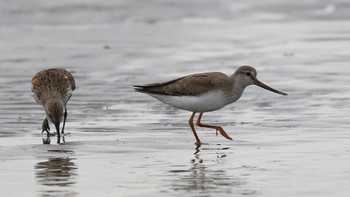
{"x":204,"y":92}
{"x":52,"y":89}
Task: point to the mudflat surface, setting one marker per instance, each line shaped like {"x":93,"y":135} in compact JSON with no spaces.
{"x":123,"y":143}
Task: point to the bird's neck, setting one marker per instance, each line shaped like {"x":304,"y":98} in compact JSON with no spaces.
{"x":54,"y":102}
{"x":53,"y":96}
{"x":237,"y":88}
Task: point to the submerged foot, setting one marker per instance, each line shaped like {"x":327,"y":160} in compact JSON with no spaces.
{"x":198,"y":144}
{"x":46,"y":139}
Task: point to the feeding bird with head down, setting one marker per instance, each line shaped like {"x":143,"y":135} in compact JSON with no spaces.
{"x":52,"y":89}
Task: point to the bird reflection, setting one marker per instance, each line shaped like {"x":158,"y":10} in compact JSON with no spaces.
{"x":57,"y":174}
{"x":206,"y":176}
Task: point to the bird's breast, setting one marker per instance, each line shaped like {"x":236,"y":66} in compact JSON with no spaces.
{"x":201,"y":103}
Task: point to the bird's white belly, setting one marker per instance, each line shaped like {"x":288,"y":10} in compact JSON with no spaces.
{"x":203,"y":103}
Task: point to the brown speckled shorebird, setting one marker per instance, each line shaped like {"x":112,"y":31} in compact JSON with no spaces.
{"x":204,"y":92}
{"x":52,"y":89}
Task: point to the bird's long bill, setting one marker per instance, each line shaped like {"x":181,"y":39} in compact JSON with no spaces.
{"x":261,"y":84}
{"x":58,"y":133}
{"x":58,"y":129}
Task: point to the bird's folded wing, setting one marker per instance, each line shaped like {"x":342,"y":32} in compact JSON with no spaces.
{"x":191,"y":85}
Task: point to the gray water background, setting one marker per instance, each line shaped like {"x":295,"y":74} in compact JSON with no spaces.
{"x":123,"y":143}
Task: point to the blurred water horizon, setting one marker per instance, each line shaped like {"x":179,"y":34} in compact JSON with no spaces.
{"x":128,"y":144}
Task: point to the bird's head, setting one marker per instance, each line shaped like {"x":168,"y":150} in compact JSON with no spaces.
{"x":246,"y":75}
{"x":54,"y":112}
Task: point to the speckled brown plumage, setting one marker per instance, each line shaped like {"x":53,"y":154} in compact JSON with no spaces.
{"x":53,"y":83}
{"x":52,"y":89}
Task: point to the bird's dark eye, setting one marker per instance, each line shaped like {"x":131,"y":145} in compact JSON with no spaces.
{"x":248,"y":73}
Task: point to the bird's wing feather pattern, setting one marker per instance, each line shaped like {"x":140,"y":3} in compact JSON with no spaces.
{"x":191,"y":85}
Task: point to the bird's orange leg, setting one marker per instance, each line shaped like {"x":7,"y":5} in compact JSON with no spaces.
{"x":218,"y":128}
{"x":190,"y":122}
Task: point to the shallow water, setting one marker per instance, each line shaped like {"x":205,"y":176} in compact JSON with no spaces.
{"x":123,"y":143}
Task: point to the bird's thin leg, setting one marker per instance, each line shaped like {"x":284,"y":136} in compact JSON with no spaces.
{"x":45,"y":126}
{"x":58,"y":133}
{"x":64,"y":119}
{"x":218,"y":128}
{"x":190,"y":122}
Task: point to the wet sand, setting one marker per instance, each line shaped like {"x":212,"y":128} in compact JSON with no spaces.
{"x":123,"y":143}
